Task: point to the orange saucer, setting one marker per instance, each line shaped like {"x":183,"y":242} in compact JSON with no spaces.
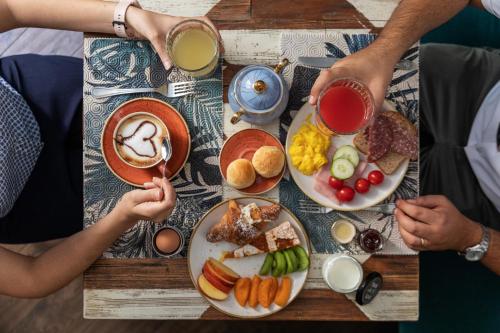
{"x":179,"y":136}
{"x":244,"y":144}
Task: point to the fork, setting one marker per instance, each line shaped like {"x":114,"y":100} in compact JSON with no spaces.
{"x":313,"y":208}
{"x":171,"y":90}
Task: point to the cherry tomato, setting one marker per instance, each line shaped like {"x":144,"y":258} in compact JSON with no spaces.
{"x":362,"y":185}
{"x":345,"y":194}
{"x":376,"y":177}
{"x":335,"y":183}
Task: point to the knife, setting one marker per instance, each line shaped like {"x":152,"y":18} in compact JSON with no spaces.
{"x":327,"y":62}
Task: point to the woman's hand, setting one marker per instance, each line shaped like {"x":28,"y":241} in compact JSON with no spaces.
{"x":155,"y":203}
{"x":432,"y":222}
{"x":372,"y":66}
{"x":155,"y":27}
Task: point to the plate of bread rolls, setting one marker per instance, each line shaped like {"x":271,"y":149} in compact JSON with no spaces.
{"x":252,"y":161}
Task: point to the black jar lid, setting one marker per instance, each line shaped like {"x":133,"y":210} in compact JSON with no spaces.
{"x":369,"y":288}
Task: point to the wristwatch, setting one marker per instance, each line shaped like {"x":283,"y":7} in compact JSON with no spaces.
{"x":476,"y":252}
{"x":121,"y":29}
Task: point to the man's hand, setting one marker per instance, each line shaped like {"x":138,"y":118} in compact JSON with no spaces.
{"x":372,"y":66}
{"x":155,"y":203}
{"x":432,"y":222}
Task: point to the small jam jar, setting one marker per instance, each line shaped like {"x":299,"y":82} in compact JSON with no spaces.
{"x":371,"y":240}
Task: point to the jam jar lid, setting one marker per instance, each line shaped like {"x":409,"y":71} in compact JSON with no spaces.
{"x":369,"y":288}
{"x":258,"y":88}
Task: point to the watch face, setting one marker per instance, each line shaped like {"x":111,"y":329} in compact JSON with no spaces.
{"x":474,"y":255}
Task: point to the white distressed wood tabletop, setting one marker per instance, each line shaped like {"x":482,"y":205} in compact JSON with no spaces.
{"x":246,"y":46}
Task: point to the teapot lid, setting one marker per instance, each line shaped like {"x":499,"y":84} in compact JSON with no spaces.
{"x":258,"y":88}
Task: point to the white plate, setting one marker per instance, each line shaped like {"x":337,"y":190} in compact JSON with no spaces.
{"x":360,"y":201}
{"x":200,"y":250}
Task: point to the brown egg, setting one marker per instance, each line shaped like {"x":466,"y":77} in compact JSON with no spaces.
{"x":167,"y":241}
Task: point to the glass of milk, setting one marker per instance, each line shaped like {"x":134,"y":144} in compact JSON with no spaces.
{"x":342,"y":273}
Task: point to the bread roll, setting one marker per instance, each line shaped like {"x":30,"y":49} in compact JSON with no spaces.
{"x":240,"y":174}
{"x":268,"y":161}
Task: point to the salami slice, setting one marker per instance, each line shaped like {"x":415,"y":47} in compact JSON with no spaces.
{"x":379,"y":138}
{"x":404,"y":143}
{"x":404,"y":136}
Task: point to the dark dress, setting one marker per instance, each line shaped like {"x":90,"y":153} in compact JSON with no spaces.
{"x":51,"y":204}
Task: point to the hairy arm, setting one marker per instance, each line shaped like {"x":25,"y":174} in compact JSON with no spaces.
{"x":374,"y":65}
{"x":414,"y":18}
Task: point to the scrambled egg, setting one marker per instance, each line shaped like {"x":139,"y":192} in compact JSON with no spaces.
{"x":309,"y":148}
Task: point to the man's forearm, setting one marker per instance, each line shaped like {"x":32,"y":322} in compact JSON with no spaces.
{"x":78,"y":15}
{"x":411,"y":20}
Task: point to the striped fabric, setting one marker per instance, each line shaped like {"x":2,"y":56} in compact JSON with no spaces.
{"x":20,"y":145}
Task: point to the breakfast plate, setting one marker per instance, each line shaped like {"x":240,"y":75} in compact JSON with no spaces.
{"x":152,"y":110}
{"x":200,"y":250}
{"x":306,"y":183}
{"x":244,"y":144}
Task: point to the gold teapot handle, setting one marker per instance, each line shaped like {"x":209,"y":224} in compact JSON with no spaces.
{"x":279,"y":68}
{"x":237,"y":116}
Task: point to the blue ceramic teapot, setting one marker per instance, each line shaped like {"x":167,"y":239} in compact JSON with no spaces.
{"x":258,"y":94}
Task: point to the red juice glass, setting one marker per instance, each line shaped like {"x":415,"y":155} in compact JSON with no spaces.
{"x":344,"y":107}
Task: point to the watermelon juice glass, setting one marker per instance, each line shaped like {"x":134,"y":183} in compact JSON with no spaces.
{"x":344,"y":107}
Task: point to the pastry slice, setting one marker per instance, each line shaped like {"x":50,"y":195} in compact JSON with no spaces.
{"x":279,"y":238}
{"x":240,"y":225}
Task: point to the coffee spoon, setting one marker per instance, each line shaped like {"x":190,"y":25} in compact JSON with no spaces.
{"x":166,"y":153}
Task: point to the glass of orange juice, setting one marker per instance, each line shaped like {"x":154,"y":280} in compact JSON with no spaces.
{"x":193,"y":47}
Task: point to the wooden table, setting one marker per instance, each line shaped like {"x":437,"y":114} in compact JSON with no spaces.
{"x":162,"y":289}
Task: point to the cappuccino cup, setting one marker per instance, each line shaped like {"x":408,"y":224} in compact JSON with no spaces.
{"x":138,"y":139}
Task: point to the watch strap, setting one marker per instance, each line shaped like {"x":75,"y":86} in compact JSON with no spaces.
{"x":119,"y":18}
{"x":482,"y":246}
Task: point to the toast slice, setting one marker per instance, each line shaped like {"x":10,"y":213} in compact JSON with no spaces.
{"x":402,"y":121}
{"x":388,"y":163}
{"x":278,"y":238}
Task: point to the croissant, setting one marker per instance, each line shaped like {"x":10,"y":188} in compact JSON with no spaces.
{"x":240,"y":225}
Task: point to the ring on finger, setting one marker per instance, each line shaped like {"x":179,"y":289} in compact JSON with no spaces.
{"x":422,"y":242}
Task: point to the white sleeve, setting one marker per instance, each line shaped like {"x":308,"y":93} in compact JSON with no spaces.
{"x":493,"y":6}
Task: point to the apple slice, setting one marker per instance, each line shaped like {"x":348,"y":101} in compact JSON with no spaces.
{"x":217,"y":282}
{"x":223,"y":271}
{"x":209,"y":290}
{"x":211,"y":271}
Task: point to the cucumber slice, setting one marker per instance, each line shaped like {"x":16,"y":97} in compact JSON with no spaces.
{"x":280,"y":264}
{"x":342,"y":169}
{"x":266,"y":266}
{"x":349,"y":153}
{"x":302,"y":257}
{"x":289,"y":263}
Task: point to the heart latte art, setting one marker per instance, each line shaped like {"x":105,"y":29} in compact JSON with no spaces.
{"x":138,"y":140}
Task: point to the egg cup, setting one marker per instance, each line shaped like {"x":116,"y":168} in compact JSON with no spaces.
{"x":179,"y":248}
